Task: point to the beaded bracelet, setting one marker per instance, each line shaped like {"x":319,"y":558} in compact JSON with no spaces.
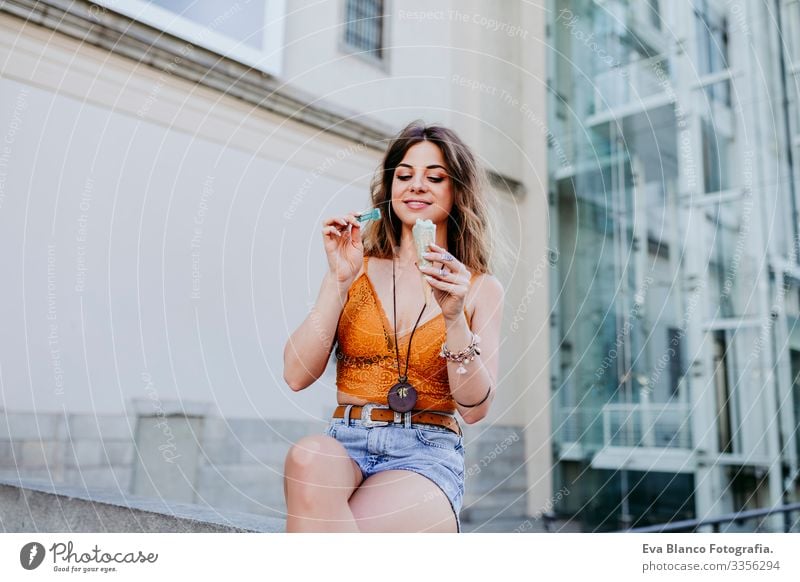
{"x":464,"y":356}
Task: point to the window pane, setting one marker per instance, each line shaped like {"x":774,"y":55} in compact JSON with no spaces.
{"x":243,"y":22}
{"x":720,"y":92}
{"x":676,"y":363}
{"x":795,"y":368}
{"x":791,"y":28}
{"x":655,"y":17}
{"x":712,"y":39}
{"x":364,"y":25}
{"x":715,"y":158}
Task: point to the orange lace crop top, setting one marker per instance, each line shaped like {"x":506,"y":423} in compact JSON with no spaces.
{"x":366,"y":362}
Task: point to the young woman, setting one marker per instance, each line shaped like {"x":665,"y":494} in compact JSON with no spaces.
{"x":414,"y":344}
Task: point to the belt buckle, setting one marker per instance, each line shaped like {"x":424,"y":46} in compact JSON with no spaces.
{"x":366,"y":415}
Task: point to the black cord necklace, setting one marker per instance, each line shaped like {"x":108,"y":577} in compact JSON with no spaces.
{"x":402,"y":396}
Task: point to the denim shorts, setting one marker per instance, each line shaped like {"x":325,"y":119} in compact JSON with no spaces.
{"x":430,"y":450}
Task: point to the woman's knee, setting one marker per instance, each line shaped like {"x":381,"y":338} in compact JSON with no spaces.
{"x":318,"y":465}
{"x":303,"y":454}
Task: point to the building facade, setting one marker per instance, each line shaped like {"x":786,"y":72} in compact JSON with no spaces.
{"x":674,"y":200}
{"x":165,"y":169}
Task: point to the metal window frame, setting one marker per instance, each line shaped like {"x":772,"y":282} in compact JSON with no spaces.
{"x":346,"y":47}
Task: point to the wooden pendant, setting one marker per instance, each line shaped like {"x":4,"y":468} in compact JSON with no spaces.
{"x":402,"y":397}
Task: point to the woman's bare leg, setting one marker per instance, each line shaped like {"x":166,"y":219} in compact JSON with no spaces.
{"x":319,"y":478}
{"x":402,"y":501}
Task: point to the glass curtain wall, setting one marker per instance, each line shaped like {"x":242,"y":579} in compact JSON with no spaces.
{"x":622,"y":146}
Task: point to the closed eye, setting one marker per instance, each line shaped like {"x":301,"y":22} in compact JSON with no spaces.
{"x":432,"y":179}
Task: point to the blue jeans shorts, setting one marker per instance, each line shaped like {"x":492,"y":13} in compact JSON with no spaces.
{"x":430,"y":450}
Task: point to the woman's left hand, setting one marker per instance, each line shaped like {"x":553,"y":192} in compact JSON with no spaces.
{"x":450,"y":281}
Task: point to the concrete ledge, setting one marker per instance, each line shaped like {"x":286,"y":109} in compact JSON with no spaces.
{"x":30,"y":505}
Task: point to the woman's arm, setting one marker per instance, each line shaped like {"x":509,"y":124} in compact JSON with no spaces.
{"x":309,"y":347}
{"x":482,"y":372}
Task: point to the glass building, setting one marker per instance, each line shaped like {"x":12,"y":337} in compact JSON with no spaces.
{"x":673,"y":161}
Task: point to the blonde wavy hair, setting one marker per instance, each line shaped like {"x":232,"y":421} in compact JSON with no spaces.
{"x":469,"y":226}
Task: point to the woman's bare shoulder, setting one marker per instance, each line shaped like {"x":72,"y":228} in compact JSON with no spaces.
{"x":486,"y":286}
{"x":485,"y":290}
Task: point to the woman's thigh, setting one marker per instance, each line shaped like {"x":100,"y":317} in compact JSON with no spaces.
{"x":401,"y":501}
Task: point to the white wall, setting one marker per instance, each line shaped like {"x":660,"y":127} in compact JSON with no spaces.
{"x":413,"y":82}
{"x":140,"y":154}
{"x":144,"y":156}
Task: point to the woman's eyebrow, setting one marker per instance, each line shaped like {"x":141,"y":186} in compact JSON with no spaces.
{"x":428,"y":167}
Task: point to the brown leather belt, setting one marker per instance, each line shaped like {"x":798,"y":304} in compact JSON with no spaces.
{"x":372,"y":415}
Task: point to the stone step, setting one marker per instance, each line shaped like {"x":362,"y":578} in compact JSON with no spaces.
{"x":488,"y":483}
{"x":497,"y":498}
{"x":511,"y":504}
{"x":520,"y":525}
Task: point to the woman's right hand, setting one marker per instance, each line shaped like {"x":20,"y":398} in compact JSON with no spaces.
{"x":342,"y":238}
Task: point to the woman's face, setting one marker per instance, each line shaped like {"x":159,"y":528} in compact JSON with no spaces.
{"x":422,"y":187}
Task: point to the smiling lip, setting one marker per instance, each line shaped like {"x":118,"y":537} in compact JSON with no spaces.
{"x":417,"y":204}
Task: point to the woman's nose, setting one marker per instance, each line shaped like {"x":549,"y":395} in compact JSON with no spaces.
{"x":417,"y":183}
